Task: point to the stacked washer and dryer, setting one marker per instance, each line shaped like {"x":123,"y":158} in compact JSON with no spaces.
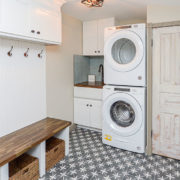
{"x":124,"y":95}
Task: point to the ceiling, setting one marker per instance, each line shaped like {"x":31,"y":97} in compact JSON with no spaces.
{"x":123,"y":10}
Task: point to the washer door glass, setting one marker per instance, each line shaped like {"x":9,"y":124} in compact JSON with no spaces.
{"x":122,"y":114}
{"x":123,"y":51}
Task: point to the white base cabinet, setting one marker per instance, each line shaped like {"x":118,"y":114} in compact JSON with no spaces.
{"x":87,"y":113}
{"x":88,"y":107}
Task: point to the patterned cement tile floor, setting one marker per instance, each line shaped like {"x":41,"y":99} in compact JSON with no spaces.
{"x":89,"y":159}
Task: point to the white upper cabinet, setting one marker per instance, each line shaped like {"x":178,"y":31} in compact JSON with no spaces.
{"x":93,"y":36}
{"x":14,"y":17}
{"x":90,"y":38}
{"x":34,"y":20}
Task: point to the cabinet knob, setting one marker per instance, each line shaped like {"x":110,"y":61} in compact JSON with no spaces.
{"x":38,"y":32}
{"x":90,"y":105}
{"x":99,"y":51}
{"x":87,"y":104}
{"x":95,"y":51}
{"x":32,"y":31}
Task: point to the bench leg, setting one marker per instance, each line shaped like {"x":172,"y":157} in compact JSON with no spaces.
{"x":4,"y":172}
{"x":40,"y":152}
{"x":64,"y":135}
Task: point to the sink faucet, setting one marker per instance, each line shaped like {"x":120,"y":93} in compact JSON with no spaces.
{"x":101,"y":69}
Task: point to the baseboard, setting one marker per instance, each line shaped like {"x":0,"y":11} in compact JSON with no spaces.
{"x":90,"y":128}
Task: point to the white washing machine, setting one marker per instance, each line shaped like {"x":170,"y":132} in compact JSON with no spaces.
{"x":124,"y":123}
{"x":125,"y":55}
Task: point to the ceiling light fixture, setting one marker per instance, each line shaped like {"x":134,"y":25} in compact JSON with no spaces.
{"x":93,"y":3}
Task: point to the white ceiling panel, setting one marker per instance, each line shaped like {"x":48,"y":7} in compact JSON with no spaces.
{"x":121,"y":9}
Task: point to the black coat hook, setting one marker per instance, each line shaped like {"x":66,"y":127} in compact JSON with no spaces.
{"x":10,"y":52}
{"x":40,"y":54}
{"x":26,"y":53}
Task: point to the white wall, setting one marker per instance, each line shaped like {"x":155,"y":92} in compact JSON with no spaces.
{"x":22,"y":86}
{"x":162,"y":13}
{"x":60,"y":70}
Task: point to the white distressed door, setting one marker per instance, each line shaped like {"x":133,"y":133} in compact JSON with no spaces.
{"x":166,"y":92}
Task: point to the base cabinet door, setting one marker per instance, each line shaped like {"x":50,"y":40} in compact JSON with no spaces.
{"x":87,"y":112}
{"x":166,"y":92}
{"x":81,"y":112}
{"x":95,"y":114}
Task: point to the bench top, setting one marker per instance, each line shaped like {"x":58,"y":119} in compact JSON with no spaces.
{"x":15,"y":144}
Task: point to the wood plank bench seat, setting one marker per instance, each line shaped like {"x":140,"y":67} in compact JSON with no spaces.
{"x":15,"y":144}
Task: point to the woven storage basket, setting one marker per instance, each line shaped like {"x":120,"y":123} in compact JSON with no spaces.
{"x":24,"y":167}
{"x":55,"y":151}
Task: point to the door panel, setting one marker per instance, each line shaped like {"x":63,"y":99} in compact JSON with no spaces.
{"x":14,"y":16}
{"x":47,"y":22}
{"x":169,"y":103}
{"x":90,"y":37}
{"x":102,"y":24}
{"x":81,"y":112}
{"x":96,"y":114}
{"x":166,"y":136}
{"x":166,"y":92}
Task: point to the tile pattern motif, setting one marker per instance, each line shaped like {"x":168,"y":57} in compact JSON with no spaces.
{"x":89,"y":159}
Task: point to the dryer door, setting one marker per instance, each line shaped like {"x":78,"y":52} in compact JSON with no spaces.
{"x":123,"y":114}
{"x":124,"y":51}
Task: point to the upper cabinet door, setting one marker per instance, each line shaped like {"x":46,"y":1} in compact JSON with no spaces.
{"x":34,"y":20}
{"x":102,"y":24}
{"x":93,"y":36}
{"x":90,"y":37}
{"x":45,"y":22}
{"x":14,"y":16}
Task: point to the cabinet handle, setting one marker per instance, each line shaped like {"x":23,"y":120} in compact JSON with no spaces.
{"x":32,"y":31}
{"x":38,"y":32}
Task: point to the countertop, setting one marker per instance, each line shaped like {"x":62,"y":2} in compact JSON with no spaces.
{"x":96,"y":84}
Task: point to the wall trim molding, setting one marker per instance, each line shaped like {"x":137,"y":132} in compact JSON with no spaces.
{"x":163,"y":24}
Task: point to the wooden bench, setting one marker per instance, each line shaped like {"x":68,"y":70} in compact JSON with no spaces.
{"x":31,"y":139}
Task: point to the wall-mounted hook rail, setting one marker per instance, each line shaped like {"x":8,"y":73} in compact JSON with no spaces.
{"x":26,"y":53}
{"x":10,"y":52}
{"x":40,"y":54}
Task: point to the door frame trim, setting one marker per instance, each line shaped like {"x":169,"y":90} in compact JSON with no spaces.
{"x":150,"y":27}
